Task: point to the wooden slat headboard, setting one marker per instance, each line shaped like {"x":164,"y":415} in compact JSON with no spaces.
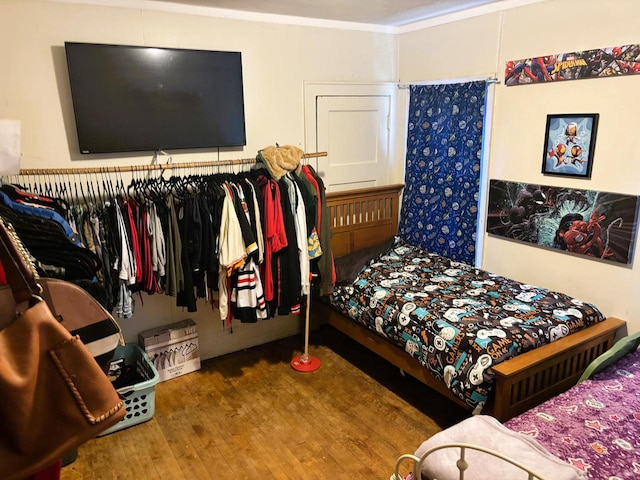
{"x":364,"y":217}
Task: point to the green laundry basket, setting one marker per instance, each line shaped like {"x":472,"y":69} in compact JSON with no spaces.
{"x":139,"y":399}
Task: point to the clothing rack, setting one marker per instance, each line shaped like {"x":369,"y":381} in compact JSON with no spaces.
{"x":153,"y":166}
{"x":302,"y":363}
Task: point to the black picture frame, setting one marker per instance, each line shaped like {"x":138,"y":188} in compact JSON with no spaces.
{"x":569,"y":144}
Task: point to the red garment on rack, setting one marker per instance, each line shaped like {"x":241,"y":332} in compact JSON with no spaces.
{"x":3,"y":277}
{"x":50,"y":473}
{"x":274,"y":234}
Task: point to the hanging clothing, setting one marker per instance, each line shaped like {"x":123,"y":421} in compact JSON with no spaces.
{"x":41,"y":212}
{"x":126,"y":263}
{"x":245,"y":235}
{"x":287,"y":270}
{"x":248,"y":296}
{"x":300,"y":225}
{"x":232,"y":252}
{"x":258,"y":208}
{"x":206,"y":249}
{"x":310,"y":195}
{"x":190,"y":227}
{"x":274,"y":233}
{"x":157,"y":244}
{"x":325,"y":264}
{"x":48,"y":242}
{"x":174,"y":281}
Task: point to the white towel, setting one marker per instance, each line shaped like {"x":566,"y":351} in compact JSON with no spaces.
{"x":487,"y":432}
{"x":9,"y":147}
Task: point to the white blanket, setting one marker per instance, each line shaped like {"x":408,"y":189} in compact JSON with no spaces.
{"x":487,"y":432}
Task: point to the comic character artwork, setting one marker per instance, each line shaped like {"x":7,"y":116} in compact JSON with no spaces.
{"x":600,"y":62}
{"x":569,"y":144}
{"x":586,"y":222}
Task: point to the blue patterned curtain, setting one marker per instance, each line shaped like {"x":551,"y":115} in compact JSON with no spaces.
{"x":442,"y":172}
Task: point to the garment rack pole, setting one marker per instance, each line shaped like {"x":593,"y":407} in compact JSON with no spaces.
{"x":143,"y":168}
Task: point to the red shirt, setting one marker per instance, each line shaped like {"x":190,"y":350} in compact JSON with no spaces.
{"x":274,"y":233}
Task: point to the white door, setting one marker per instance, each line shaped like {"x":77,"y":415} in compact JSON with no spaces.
{"x":353,"y":125}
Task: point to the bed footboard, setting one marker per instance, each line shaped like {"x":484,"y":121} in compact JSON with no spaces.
{"x":531,"y":378}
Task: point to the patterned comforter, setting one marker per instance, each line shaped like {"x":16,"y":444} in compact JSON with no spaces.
{"x":595,"y":425}
{"x":455,"y":319}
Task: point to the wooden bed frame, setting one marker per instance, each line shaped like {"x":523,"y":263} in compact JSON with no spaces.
{"x":365,"y":217}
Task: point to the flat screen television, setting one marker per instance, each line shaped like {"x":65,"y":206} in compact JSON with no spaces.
{"x":133,"y":98}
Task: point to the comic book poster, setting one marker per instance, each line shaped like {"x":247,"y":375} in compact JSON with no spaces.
{"x":601,"y":62}
{"x":586,"y":222}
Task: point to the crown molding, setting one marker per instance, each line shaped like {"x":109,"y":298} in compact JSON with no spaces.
{"x":180,"y":8}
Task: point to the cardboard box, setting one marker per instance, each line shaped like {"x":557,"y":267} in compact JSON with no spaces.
{"x":173,"y":349}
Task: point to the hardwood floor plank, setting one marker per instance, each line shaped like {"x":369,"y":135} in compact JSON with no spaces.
{"x":250,"y":415}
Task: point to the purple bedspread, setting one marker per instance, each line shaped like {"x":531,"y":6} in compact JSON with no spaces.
{"x":595,"y":425}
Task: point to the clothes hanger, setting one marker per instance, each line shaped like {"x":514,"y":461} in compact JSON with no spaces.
{"x":94,"y":188}
{"x":84,"y":198}
{"x":133,"y":185}
{"x":60,"y":188}
{"x":121,"y":191}
{"x":37,"y":187}
{"x":108,"y":183}
{"x":45,"y":193}
{"x":58,"y":199}
{"x":98,"y":191}
{"x":87,"y":179}
{"x":75,"y":188}
{"x":56,"y":188}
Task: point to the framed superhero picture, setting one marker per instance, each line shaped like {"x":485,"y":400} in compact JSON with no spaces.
{"x":597,"y":225}
{"x":569,"y":144}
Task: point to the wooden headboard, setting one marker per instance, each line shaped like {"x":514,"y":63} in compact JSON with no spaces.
{"x":363,"y":217}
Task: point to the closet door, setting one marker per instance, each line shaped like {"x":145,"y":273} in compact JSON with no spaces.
{"x":354,"y":127}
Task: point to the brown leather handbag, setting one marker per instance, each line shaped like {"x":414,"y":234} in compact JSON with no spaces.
{"x":78,"y":312}
{"x":53,"y":394}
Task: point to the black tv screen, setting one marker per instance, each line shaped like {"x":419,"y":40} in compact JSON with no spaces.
{"x":131,"y":98}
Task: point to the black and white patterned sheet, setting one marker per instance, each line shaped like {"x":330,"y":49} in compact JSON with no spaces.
{"x":455,"y":319}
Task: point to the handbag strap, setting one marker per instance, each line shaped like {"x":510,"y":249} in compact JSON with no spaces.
{"x":20,"y":271}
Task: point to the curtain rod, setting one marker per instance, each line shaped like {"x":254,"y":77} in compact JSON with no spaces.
{"x":143,"y":168}
{"x":489,"y":80}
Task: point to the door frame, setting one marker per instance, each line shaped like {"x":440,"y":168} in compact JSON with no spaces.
{"x":312,"y":90}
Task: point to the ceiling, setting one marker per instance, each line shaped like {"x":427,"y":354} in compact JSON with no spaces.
{"x":392,"y":13}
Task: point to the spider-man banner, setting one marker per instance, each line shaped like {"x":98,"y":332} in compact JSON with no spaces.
{"x":601,"y":62}
{"x":586,"y":222}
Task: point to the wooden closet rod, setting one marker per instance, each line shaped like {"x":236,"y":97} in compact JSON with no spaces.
{"x":143,"y":168}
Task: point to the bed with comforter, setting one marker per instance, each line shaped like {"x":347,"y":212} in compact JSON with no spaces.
{"x":457,"y":320}
{"x":488,"y":343}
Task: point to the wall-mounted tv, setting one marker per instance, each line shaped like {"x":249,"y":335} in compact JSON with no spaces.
{"x":133,"y":98}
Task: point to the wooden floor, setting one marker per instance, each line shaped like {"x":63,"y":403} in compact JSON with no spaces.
{"x":249,"y":415}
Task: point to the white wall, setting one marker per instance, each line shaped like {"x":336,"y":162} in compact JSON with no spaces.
{"x":482,"y":45}
{"x":277,"y":60}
